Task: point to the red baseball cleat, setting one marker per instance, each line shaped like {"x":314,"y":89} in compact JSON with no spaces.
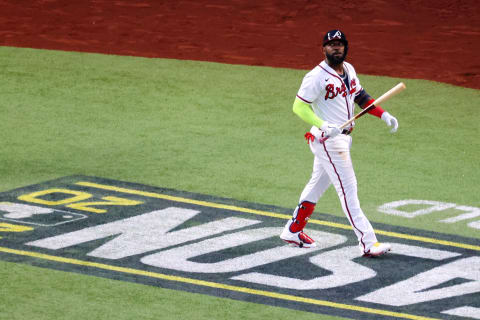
{"x":299,"y":239}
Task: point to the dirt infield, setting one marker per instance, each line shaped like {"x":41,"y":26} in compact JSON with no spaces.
{"x":424,"y":39}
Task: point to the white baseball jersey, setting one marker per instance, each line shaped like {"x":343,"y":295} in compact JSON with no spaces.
{"x":330,"y":98}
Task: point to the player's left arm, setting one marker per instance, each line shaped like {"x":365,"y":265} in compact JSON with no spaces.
{"x":363,"y":99}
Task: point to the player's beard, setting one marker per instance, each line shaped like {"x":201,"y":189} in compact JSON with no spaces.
{"x":334,"y":59}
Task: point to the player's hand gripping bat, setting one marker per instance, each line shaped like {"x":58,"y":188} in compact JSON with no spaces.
{"x":387,"y":95}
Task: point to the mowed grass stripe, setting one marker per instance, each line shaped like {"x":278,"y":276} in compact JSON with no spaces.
{"x":215,"y":285}
{"x":271,"y":214}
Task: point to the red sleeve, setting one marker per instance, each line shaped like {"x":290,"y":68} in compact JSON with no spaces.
{"x":376,"y":111}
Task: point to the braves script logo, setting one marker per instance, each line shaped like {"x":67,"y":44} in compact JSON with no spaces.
{"x":332,"y":92}
{"x":353,"y":86}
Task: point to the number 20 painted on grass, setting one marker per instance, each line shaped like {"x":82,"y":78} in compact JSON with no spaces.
{"x":76,"y":200}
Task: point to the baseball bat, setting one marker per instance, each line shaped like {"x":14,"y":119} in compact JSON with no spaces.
{"x":384,"y":97}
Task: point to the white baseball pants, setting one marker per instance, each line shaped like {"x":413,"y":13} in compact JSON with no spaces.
{"x":333,"y":165}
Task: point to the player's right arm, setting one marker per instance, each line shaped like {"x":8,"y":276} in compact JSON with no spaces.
{"x":309,"y":90}
{"x":305,"y":112}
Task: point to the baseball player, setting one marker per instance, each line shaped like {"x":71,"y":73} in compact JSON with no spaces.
{"x":326,"y":100}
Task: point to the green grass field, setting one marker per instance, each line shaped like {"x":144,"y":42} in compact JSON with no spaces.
{"x":216,"y":129}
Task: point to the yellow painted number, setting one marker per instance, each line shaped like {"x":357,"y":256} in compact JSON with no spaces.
{"x":8,"y":227}
{"x":109,"y":201}
{"x":75,"y":196}
{"x":74,"y":200}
